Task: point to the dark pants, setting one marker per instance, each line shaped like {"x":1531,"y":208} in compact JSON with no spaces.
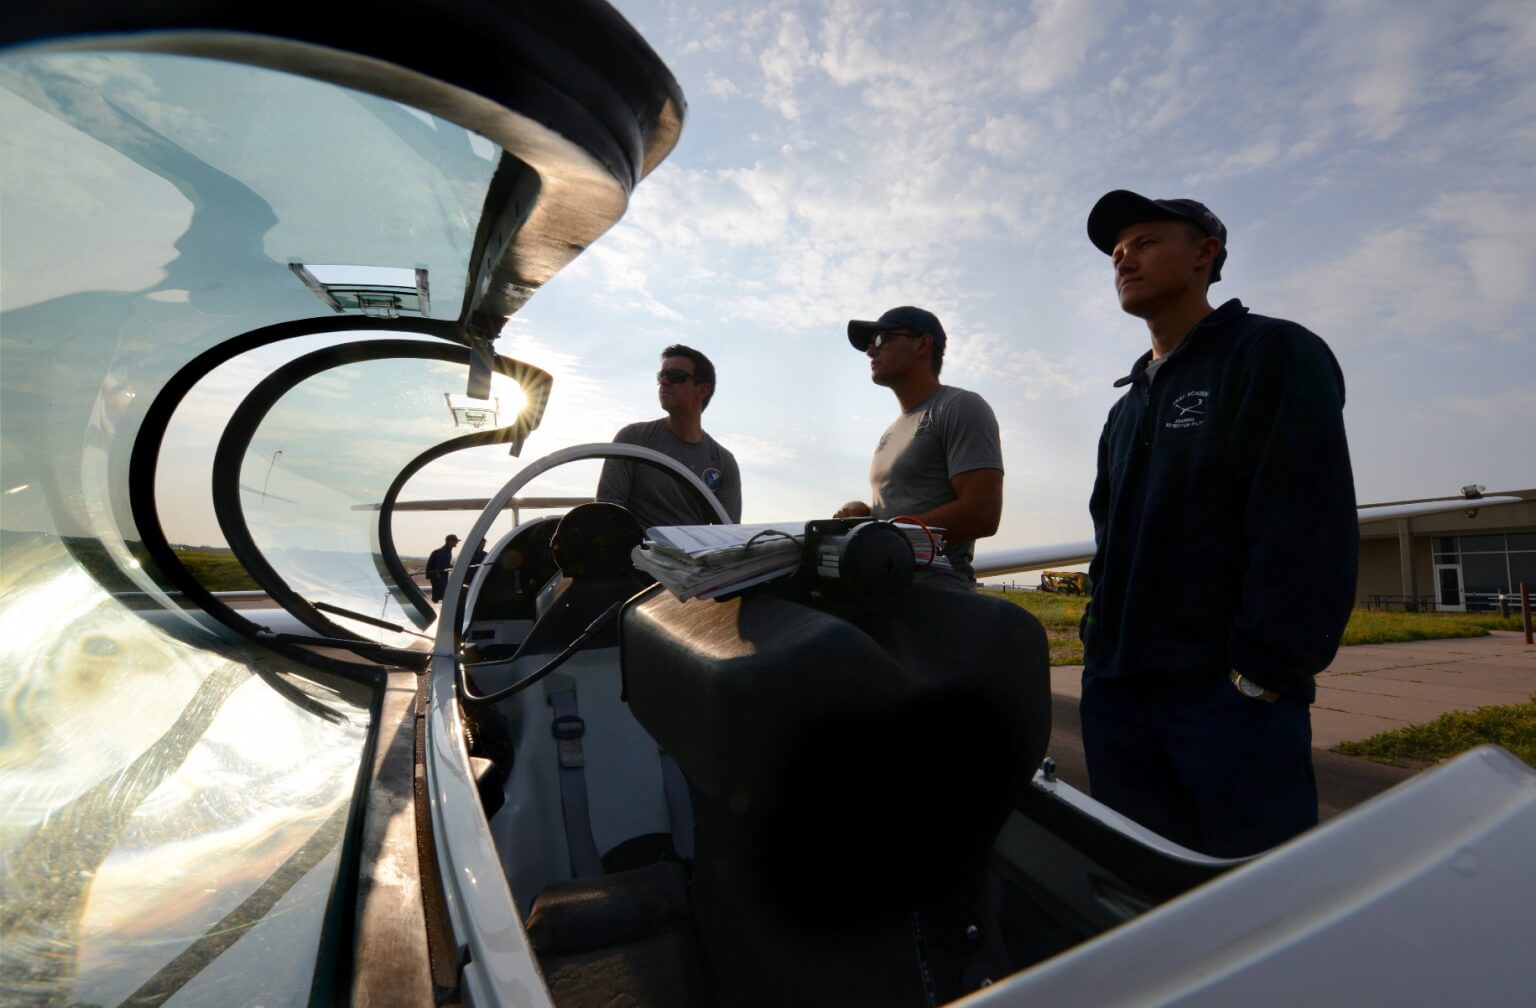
{"x":1204,"y":766}
{"x":439,"y":584}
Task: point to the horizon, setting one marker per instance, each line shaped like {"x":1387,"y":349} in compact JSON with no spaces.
{"x":1371,"y":162}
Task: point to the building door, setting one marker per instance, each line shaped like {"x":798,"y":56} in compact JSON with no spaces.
{"x":1448,"y":597}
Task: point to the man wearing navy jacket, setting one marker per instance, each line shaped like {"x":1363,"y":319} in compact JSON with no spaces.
{"x":1224,"y":516}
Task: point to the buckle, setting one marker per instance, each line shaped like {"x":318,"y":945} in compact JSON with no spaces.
{"x":569,"y":726}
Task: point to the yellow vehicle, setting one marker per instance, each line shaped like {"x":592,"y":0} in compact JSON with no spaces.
{"x":1065,"y":582}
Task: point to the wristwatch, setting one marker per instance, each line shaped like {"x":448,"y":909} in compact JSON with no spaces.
{"x":1251,"y":689}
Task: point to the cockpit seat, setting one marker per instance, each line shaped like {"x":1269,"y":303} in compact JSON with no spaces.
{"x":590,"y":545}
{"x":567,"y":748}
{"x":849,"y":779}
{"x":619,"y":939}
{"x":625,"y":938}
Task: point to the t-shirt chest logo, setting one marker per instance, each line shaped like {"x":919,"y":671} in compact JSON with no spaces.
{"x":924,"y":425}
{"x":713,"y":479}
{"x":1188,"y":410}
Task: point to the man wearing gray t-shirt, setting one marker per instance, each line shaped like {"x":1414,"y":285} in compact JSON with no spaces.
{"x":655,"y":497}
{"x":941,"y":461}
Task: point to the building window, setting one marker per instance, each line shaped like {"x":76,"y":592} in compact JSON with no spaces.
{"x":1522,"y":567}
{"x":1483,"y":543}
{"x":1491,"y":564}
{"x":1484,"y":573}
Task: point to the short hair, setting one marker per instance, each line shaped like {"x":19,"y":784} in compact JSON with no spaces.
{"x":703,"y":370}
{"x":937,"y":359}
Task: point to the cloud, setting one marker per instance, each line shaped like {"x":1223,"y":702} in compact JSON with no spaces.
{"x":1255,"y":156}
{"x":1373,"y":160}
{"x":1462,"y":265}
{"x":625,"y":280}
{"x":1005,"y":359}
{"x":720,"y":86}
{"x":1051,"y":50}
{"x":762,"y":451}
{"x":1005,"y":136}
{"x":1500,"y":410}
{"x":849,"y":56}
{"x":1387,"y":54}
{"x":782,"y":62}
{"x":1499,"y":247}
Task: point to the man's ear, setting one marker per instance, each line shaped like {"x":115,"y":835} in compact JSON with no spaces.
{"x":1210,"y":248}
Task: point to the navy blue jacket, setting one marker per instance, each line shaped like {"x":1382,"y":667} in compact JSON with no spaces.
{"x":1224,"y":512}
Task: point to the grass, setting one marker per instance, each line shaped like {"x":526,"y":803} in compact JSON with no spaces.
{"x":1419,"y":746}
{"x":1059,"y":614}
{"x":1513,"y":727}
{"x":1378,"y":627}
{"x":217,"y":570}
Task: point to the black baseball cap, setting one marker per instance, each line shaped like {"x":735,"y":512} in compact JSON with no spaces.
{"x":1115,"y":211}
{"x":905,"y":317}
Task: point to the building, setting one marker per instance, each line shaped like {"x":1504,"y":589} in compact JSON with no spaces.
{"x":1454,"y":561}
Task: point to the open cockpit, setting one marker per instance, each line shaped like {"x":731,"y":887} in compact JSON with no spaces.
{"x":257,"y":262}
{"x":790,"y":796}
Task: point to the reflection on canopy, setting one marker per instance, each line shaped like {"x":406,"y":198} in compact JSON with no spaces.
{"x":179,"y":806}
{"x":160,"y":807}
{"x":151,"y":212}
{"x":149,"y":785}
{"x":329,"y":433}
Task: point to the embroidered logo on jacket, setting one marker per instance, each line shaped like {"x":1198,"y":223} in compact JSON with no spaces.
{"x":713,"y":479}
{"x":1189,"y":410}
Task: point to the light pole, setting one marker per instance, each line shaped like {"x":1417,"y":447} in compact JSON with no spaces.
{"x":269,"y":473}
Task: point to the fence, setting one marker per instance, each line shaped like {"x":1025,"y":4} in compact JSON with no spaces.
{"x":1504,"y":603}
{"x":1401,"y":603}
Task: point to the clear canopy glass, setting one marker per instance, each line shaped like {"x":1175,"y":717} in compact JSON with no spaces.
{"x":152,"y":211}
{"x":173,"y":798}
{"x":323,"y":458}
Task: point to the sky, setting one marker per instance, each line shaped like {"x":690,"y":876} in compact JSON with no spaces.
{"x":1374,"y":162}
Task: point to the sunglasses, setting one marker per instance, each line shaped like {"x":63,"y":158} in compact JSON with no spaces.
{"x":880,"y":339}
{"x":674,"y":376}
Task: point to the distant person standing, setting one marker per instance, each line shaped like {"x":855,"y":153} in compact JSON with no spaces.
{"x":684,"y":385}
{"x":1224,"y":515}
{"x":941,"y":460}
{"x":439,"y":563}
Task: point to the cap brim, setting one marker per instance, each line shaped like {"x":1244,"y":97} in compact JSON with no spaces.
{"x":1114,"y":212}
{"x":860,"y":333}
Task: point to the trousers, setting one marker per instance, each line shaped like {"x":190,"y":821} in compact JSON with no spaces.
{"x":1201,"y":764}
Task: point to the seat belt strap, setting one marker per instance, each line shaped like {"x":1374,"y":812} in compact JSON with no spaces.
{"x":679,"y":805}
{"x":568,"y":728}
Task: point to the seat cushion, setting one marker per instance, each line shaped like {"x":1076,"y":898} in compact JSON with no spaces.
{"x":621,"y":939}
{"x":584,"y":914}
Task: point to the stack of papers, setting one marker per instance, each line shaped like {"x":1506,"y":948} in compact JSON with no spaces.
{"x":706,"y":561}
{"x":925,"y":547}
{"x":703,"y":561}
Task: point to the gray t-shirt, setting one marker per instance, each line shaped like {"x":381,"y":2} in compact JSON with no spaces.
{"x":951,"y":432}
{"x":656,"y":497}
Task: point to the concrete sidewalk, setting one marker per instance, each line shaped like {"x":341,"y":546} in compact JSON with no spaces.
{"x":1373,"y":688}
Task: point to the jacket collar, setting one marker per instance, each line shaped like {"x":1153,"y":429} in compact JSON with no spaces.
{"x":1227,"y":313}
